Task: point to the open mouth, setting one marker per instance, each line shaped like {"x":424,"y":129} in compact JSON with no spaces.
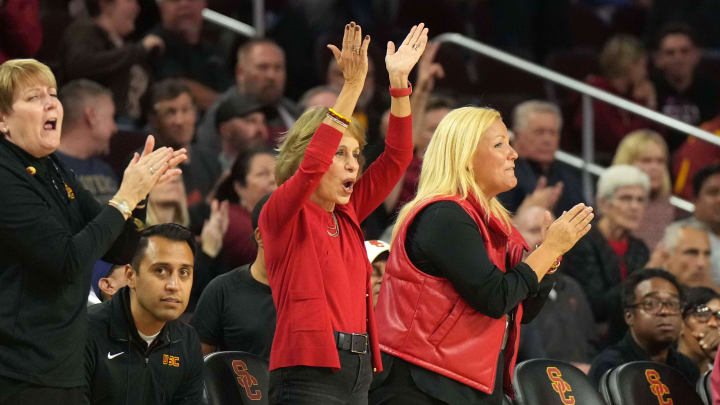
{"x":348,"y":185}
{"x":50,"y":124}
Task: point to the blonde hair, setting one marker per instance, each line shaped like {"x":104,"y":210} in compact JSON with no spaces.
{"x":292,"y":149}
{"x":16,"y":73}
{"x":633,"y":144}
{"x":620,"y":52}
{"x":447,"y":168}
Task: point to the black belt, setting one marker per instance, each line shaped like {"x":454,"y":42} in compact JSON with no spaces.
{"x":352,"y":342}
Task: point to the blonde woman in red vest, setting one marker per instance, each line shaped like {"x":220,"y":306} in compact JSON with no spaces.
{"x":325,"y":345}
{"x":455,"y":289}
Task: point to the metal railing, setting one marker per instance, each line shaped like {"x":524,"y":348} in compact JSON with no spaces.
{"x":588,"y":93}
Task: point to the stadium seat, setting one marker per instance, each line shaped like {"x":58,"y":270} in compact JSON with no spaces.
{"x":507,"y":400}
{"x":236,"y":378}
{"x":703,"y":388}
{"x":547,"y":382}
{"x":645,"y":382}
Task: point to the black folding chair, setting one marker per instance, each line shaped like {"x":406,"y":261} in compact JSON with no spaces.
{"x":646,"y":382}
{"x":236,"y":378}
{"x":548,"y":382}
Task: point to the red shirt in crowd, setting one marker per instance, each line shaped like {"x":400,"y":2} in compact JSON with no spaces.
{"x":321,"y":283}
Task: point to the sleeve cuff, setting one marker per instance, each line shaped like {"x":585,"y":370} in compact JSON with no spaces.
{"x":529,"y":276}
{"x":399,"y":134}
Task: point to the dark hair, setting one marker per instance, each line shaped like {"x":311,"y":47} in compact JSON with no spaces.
{"x":696,"y":296}
{"x":701,"y":177}
{"x":93,"y":7}
{"x":245,"y":48}
{"x":436,"y":102}
{"x":255,"y":214}
{"x":239,"y":173}
{"x":76,"y":94}
{"x":167,"y":89}
{"x":675,"y":28}
{"x":168,"y":231}
{"x":635,"y":278}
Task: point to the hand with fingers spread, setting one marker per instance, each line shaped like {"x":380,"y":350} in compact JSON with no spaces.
{"x":146,"y":170}
{"x":544,"y":196}
{"x":213,"y":231}
{"x":572,"y":225}
{"x":399,"y":62}
{"x":352,"y":59}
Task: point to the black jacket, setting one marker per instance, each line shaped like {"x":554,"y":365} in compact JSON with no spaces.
{"x":121,"y":370}
{"x":50,"y":237}
{"x":627,"y":350}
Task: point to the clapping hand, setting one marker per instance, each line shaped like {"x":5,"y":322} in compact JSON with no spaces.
{"x":565,"y":231}
{"x":428,"y":69}
{"x":214,"y":229}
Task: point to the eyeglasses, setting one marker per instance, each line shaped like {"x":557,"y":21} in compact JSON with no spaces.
{"x":654,"y":306}
{"x":703,"y":313}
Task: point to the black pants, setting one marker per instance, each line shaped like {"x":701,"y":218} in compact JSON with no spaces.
{"x":15,"y":392}
{"x":320,"y":385}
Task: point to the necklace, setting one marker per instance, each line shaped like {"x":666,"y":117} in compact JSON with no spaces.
{"x":333,"y":230}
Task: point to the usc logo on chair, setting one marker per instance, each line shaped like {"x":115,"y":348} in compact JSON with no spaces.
{"x":246,"y":380}
{"x":657,"y":387}
{"x":560,"y":386}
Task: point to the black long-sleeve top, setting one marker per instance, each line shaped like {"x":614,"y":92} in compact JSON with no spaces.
{"x":51,"y":232}
{"x":444,"y":241}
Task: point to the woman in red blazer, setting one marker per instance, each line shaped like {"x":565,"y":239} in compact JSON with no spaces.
{"x":325,"y":342}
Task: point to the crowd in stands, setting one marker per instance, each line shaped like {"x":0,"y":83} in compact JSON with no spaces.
{"x":642,"y":284}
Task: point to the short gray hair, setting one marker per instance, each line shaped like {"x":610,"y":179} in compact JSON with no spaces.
{"x":672,"y":233}
{"x":521,"y":113}
{"x":619,"y":176}
{"x":76,"y":95}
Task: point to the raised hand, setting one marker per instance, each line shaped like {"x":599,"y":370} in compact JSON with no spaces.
{"x":429,"y":70}
{"x":400,"y":62}
{"x":352,"y":59}
{"x":214,"y":229}
{"x":544,"y":196}
{"x":572,"y":225}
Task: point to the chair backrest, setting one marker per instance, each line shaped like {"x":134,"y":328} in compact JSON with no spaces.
{"x":703,"y":388}
{"x":646,"y":382}
{"x":603,"y":387}
{"x":548,"y":382}
{"x":236,"y":378}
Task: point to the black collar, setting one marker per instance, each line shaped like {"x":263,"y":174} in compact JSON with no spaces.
{"x":122,"y":324}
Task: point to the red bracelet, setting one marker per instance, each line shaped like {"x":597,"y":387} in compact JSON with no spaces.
{"x":396,"y":93}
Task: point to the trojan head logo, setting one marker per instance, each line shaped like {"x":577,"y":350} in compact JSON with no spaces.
{"x":246,"y":380}
{"x":560,"y":386}
{"x":657,"y":387}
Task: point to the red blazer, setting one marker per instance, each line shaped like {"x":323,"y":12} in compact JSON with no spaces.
{"x":425,"y":321}
{"x":311,"y":278}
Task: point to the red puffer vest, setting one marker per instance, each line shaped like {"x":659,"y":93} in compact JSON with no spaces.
{"x":423,"y":320}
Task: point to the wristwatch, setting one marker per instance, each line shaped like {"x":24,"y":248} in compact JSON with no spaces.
{"x":122,"y":206}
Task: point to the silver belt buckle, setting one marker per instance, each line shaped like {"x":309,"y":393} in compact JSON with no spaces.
{"x":364,"y":340}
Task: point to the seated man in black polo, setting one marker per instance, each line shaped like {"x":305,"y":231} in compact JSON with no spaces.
{"x":236,"y":310}
{"x":652,"y":299}
{"x":137,"y":351}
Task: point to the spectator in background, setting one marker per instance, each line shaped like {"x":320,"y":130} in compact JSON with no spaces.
{"x":624,"y":65}
{"x":259,"y":73}
{"x":647,"y":150}
{"x":378,"y":253}
{"x":251,"y":177}
{"x":542,"y":180}
{"x":564,"y":325}
{"x":173,"y":116}
{"x":706,"y":185}
{"x":685,"y":253}
{"x":652,"y":302}
{"x":137,"y":351}
{"x":89,"y":125}
{"x":107,"y":279}
{"x":693,"y":155}
{"x":187,"y":56}
{"x":236,"y":310}
{"x":20,"y":29}
{"x":241,"y":125}
{"x":95,"y":49}
{"x":700,"y":334}
{"x":682,"y":93}
{"x":319,"y":96}
{"x":609,"y":253}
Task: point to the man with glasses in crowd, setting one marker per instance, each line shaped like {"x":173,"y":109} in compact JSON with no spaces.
{"x":652,"y":301}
